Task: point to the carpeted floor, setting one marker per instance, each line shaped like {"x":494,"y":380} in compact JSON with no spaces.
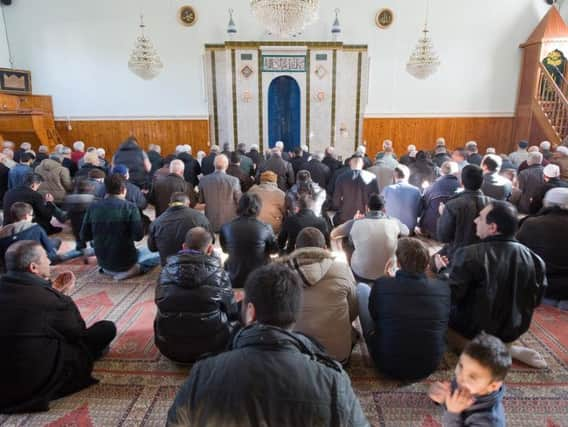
{"x":137,"y":384}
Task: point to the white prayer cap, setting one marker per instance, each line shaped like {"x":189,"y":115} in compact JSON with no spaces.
{"x":552,"y":171}
{"x":557,"y":197}
{"x":562,"y":150}
{"x":545,"y":145}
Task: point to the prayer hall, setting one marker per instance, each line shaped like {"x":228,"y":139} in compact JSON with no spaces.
{"x":284,"y":213}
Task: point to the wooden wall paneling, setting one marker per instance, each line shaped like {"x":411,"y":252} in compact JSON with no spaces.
{"x":423,"y":132}
{"x":109,"y":134}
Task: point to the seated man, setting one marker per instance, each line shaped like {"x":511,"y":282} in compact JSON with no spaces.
{"x":270,"y":376}
{"x":496,"y":284}
{"x":403,"y":200}
{"x":168,"y":231}
{"x":373,"y":238}
{"x":43,"y":206}
{"x":303,"y":217}
{"x":133,"y":192}
{"x":162,"y":189}
{"x":51,"y":351}
{"x":246,"y":240}
{"x":18,"y":173}
{"x":25,"y":229}
{"x":403,"y":310}
{"x":114,"y":224}
{"x":330,"y":295}
{"x":547,"y":235}
{"x":495,"y":185}
{"x":195,"y":301}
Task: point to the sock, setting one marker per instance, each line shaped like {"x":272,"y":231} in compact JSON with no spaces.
{"x":528,"y":356}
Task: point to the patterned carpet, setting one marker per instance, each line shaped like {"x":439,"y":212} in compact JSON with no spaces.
{"x":138,"y":384}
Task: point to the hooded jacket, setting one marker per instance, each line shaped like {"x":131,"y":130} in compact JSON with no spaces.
{"x":132,"y":156}
{"x":271,"y":377}
{"x":195,"y":300}
{"x":330,"y":299}
{"x":56,"y":179}
{"x":25,"y":230}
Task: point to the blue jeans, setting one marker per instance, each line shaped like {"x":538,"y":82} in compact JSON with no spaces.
{"x":147,"y":260}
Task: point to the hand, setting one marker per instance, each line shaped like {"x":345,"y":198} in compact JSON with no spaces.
{"x":358,"y":215}
{"x":64,"y":282}
{"x":390,"y":267}
{"x":441,"y":208}
{"x":439,"y":392}
{"x":459,"y":401}
{"x":441,"y":261}
{"x":48,"y":197}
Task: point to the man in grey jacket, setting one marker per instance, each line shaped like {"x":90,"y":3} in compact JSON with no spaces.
{"x":220,"y":193}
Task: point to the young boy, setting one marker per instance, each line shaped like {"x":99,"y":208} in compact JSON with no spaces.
{"x":475,"y":397}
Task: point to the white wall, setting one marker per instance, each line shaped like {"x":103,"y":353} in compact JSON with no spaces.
{"x":4,"y":55}
{"x":77,"y":51}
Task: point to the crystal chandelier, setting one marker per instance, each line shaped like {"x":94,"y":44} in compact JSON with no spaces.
{"x":285,"y":18}
{"x":144,"y":60}
{"x":423,"y":61}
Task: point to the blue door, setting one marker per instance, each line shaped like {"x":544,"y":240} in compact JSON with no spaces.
{"x":284,"y":113}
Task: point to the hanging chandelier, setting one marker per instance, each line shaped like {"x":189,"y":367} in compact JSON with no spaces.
{"x":423,"y":61}
{"x":144,"y":60}
{"x":285,"y":18}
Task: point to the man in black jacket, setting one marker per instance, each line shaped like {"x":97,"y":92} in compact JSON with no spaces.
{"x":282,"y":168}
{"x":168,"y":231}
{"x":248,"y":241}
{"x":48,"y":352}
{"x":208,"y":162}
{"x":27,"y":193}
{"x":496,"y":284}
{"x":162,"y":189}
{"x":195,"y":301}
{"x":455,"y":226}
{"x":271,"y":376}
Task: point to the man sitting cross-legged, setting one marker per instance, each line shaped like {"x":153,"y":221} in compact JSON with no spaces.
{"x":195,"y":301}
{"x":168,"y":231}
{"x":114,"y":224}
{"x":271,"y":376}
{"x":330,"y":295}
{"x":496,"y":284}
{"x":25,"y":229}
{"x":48,"y":352}
{"x":403,"y":310}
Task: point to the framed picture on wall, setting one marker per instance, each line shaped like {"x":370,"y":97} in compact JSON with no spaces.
{"x":15,"y":81}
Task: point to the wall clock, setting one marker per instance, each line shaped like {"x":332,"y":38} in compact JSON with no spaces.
{"x":187,"y":16}
{"x":384,"y":18}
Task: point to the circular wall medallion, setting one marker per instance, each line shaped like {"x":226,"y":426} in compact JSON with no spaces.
{"x":384,"y":18}
{"x":187,"y":16}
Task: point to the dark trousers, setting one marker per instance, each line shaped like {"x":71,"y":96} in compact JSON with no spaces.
{"x":99,"y":336}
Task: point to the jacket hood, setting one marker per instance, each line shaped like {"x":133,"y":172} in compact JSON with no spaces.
{"x":48,"y":165}
{"x":129,"y":144}
{"x":16,"y":228}
{"x":191,"y":270}
{"x":311,"y":263}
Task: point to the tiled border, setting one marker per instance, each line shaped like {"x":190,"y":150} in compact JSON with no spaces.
{"x":215,"y":110}
{"x":308,"y":94}
{"x":333,"y":97}
{"x":313,"y":45}
{"x":260,"y":105}
{"x":235,"y":112}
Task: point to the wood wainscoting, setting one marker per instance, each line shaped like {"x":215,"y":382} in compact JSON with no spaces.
{"x":109,"y":134}
{"x":486,"y":131}
{"x":422,"y":132}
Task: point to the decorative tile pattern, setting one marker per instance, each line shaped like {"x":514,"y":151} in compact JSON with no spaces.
{"x":320,"y":71}
{"x":246,"y":72}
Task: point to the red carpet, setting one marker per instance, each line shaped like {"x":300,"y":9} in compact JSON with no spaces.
{"x":138,"y":384}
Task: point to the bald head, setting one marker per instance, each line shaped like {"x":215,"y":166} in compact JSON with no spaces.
{"x":221,"y":162}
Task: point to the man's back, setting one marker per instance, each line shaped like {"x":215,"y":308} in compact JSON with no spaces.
{"x":374,"y":239}
{"x":114,"y":224}
{"x":456,"y":226}
{"x":17,"y":174}
{"x":281,"y":168}
{"x":496,"y":186}
{"x":496,"y":284}
{"x":163,"y":189}
{"x":271,"y":377}
{"x":403,"y":201}
{"x":352,"y":190}
{"x":220,"y":193}
{"x":167,"y":232}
